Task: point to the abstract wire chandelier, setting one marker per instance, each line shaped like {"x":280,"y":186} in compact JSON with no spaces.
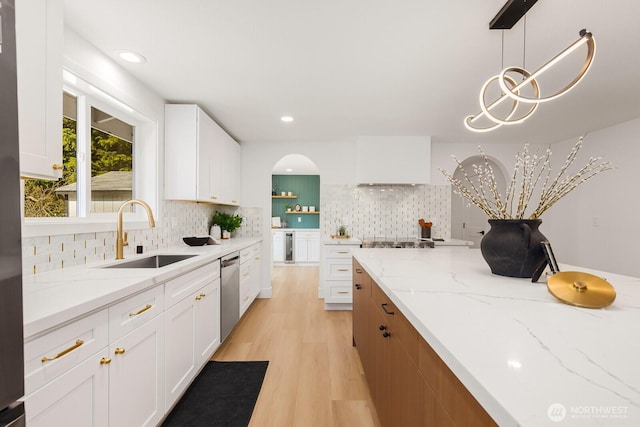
{"x":512,"y":80}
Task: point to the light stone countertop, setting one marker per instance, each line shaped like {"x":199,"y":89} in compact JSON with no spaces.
{"x":56,"y":297}
{"x":516,"y":348}
{"x":350,"y":241}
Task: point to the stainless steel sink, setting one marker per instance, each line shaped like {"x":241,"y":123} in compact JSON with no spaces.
{"x":155,"y":261}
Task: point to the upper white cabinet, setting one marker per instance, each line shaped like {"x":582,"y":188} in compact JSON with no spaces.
{"x":393,"y":159}
{"x":39,"y":44}
{"x":202,"y":162}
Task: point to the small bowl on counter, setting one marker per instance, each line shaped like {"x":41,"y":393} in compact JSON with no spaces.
{"x":196,"y":241}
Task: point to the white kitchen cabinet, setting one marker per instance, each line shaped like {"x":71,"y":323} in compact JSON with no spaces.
{"x":250,"y":265}
{"x":227,"y":160}
{"x":63,"y":374}
{"x":136,"y":376}
{"x":404,"y":159}
{"x":202,"y":162}
{"x":336,"y":275}
{"x":307,"y":246}
{"x":256,"y":269}
{"x":189,"y":140}
{"x":192,"y":327}
{"x":78,"y":398}
{"x":277,"y":245}
{"x":39,"y":44}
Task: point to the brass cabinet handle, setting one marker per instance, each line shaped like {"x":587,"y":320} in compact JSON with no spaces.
{"x":142,"y":310}
{"x":245,"y":298}
{"x":105,"y":360}
{"x":199,"y":297}
{"x":257,"y":258}
{"x":343,"y":292}
{"x":119,"y":350}
{"x":214,"y":197}
{"x":342,"y":252}
{"x":57,"y":167}
{"x":342,"y":269}
{"x":234,"y":201}
{"x":63,"y":352}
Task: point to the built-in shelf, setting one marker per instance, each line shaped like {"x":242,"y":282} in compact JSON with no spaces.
{"x":284,"y":197}
{"x":303,"y":213}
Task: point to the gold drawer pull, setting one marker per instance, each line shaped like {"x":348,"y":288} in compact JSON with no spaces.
{"x":105,"y":360}
{"x":57,"y":167}
{"x":199,"y":297}
{"x":342,"y":269}
{"x":145,"y":308}
{"x":214,"y":197}
{"x":119,"y":350}
{"x":257,"y":258}
{"x":245,"y":298}
{"x":63,"y":352}
{"x":234,"y":201}
{"x":245,"y":274}
{"x":343,"y":292}
{"x":342,"y":252}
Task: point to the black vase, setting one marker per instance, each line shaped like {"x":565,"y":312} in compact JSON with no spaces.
{"x":512,"y":247}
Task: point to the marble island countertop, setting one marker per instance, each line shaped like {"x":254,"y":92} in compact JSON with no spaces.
{"x":56,"y":297}
{"x":525,"y":356}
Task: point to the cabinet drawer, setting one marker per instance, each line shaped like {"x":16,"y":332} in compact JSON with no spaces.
{"x":339,"y":251}
{"x":183,"y":286}
{"x":307,"y":235}
{"x":339,"y":269}
{"x":245,"y":255}
{"x":50,"y":355}
{"x":255,"y":249}
{"x":245,"y":271}
{"x":127,"y":315}
{"x":338,"y":292}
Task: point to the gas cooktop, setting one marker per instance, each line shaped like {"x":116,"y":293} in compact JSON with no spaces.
{"x":396,"y":242}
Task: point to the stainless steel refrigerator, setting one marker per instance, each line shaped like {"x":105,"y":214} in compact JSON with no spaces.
{"x":11,"y":335}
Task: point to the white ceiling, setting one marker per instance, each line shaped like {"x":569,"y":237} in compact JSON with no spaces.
{"x":367,"y":67}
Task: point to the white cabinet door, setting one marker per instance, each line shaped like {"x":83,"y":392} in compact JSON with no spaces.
{"x":180,"y":347}
{"x":39,"y":43}
{"x":136,"y":376}
{"x":228,"y":159}
{"x":313,"y":250}
{"x":302,"y":249}
{"x":78,"y":398}
{"x":207,"y":319}
{"x":192,"y":335}
{"x":277,"y":246}
{"x":189,"y":144}
{"x":256,"y":269}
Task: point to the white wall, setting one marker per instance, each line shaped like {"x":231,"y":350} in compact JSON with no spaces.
{"x":595,"y":226}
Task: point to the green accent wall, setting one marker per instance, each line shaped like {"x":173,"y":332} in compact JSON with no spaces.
{"x":307,"y":188}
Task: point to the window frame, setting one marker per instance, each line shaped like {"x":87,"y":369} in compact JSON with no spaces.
{"x":145,"y":166}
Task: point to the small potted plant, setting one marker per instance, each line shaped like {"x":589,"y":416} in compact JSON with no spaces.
{"x":226,"y":221}
{"x":287,"y":208}
{"x":342,"y":230}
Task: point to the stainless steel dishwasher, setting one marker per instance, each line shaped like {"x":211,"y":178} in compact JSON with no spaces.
{"x":229,"y":293}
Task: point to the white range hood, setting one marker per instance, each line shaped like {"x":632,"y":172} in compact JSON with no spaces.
{"x":393,"y":160}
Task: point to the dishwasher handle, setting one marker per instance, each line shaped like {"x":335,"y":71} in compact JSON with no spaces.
{"x":225,"y":262}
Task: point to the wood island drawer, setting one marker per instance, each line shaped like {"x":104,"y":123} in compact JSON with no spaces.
{"x":50,"y":355}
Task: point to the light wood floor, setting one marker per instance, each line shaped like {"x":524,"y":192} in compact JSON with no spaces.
{"x":314,"y":376}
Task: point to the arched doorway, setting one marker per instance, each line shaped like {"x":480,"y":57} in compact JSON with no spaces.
{"x":468,"y":222}
{"x":295,"y":211}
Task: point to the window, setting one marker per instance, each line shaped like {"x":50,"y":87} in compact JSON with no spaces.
{"x":111,"y":168}
{"x":109,"y":156}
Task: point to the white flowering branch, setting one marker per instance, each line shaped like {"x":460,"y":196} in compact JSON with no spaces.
{"x":528,"y":171}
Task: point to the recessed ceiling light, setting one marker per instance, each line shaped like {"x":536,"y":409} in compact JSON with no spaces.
{"x":289,"y":170}
{"x":134,"y":58}
{"x":286,"y":119}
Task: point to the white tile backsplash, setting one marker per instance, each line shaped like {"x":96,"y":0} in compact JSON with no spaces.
{"x":385,"y":211}
{"x":179,"y":219}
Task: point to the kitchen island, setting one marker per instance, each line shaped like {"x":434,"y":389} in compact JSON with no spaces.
{"x":527,"y":358}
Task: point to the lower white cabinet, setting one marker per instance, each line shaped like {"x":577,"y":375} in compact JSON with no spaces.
{"x":78,"y":398}
{"x":192,"y":335}
{"x":250,"y":266}
{"x":336,"y":275}
{"x":307,"y":246}
{"x":136,"y":376}
{"x":277,"y":238}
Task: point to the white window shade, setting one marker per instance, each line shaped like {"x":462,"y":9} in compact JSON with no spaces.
{"x":393,"y":159}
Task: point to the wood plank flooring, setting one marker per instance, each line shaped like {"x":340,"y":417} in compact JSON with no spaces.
{"x":314,"y":377}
